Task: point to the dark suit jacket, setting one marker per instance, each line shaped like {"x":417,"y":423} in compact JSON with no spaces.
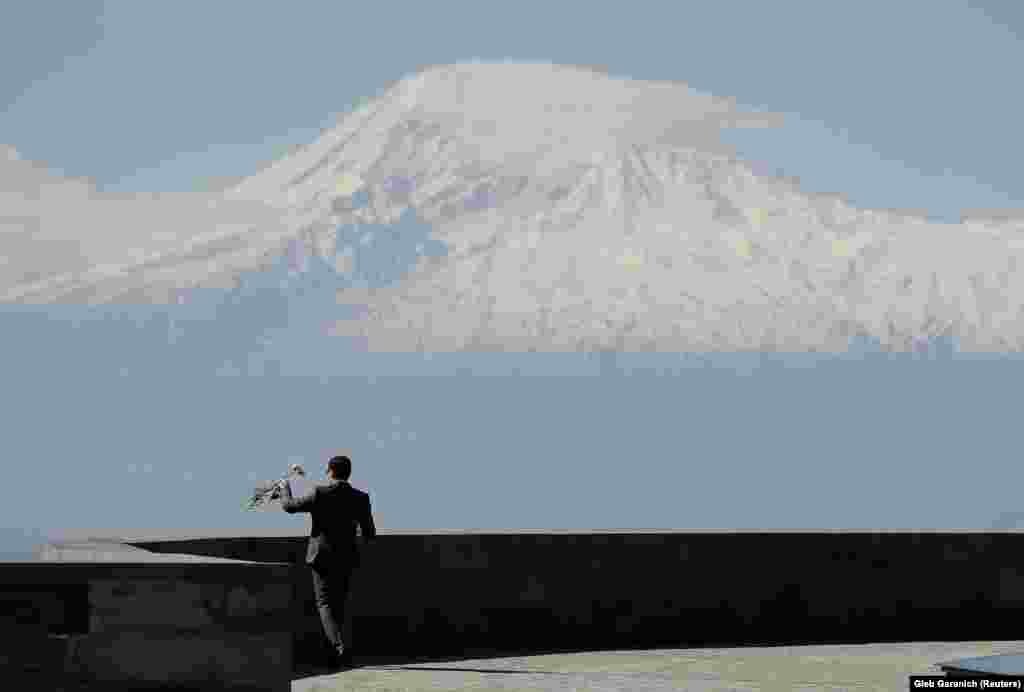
{"x":336,"y":509}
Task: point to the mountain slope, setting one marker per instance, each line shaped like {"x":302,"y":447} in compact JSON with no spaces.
{"x":672,"y":249}
{"x":581,"y":211}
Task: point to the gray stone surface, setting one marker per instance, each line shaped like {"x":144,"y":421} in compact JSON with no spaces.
{"x":754,"y":669}
{"x":111,"y":551}
{"x":128,"y":535}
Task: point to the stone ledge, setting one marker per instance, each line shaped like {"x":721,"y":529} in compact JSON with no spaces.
{"x":119,"y":603}
{"x":167,"y":656}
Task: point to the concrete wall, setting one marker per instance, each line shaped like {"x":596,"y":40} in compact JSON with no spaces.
{"x":446,"y":594}
{"x":224,"y":625}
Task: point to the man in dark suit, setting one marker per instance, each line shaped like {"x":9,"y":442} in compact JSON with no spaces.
{"x":332,"y":553}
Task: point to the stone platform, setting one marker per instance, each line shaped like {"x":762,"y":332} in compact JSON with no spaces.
{"x":881,"y":667}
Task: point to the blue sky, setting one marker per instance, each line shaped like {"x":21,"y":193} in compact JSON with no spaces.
{"x":907,"y":105}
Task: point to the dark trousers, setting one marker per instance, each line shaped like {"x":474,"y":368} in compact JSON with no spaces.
{"x":331,"y":583}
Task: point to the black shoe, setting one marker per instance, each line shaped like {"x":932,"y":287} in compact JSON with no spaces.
{"x":341,"y":662}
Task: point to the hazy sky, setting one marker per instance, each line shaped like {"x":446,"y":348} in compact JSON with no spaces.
{"x":908,"y":104}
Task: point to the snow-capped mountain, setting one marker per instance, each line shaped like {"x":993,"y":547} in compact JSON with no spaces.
{"x":584,"y":211}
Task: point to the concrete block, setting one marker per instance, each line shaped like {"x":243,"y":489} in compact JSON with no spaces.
{"x":217,"y":659}
{"x":254,"y":599}
{"x":31,"y":607}
{"x":120,"y":603}
{"x":1011,"y":585}
{"x":30,"y":649}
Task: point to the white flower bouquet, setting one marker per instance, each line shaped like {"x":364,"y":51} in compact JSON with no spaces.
{"x":266,"y":493}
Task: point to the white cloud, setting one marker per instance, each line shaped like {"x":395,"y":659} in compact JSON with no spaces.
{"x":64,"y":241}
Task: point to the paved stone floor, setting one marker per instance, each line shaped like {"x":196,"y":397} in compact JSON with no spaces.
{"x":768,"y":669}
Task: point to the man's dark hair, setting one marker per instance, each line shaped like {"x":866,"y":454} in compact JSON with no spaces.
{"x":340,"y":467}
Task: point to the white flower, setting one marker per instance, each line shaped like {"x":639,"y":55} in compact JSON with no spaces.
{"x":267,"y":492}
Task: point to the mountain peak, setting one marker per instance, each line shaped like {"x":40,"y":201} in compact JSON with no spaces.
{"x":530,"y":119}
{"x":519,"y":110}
